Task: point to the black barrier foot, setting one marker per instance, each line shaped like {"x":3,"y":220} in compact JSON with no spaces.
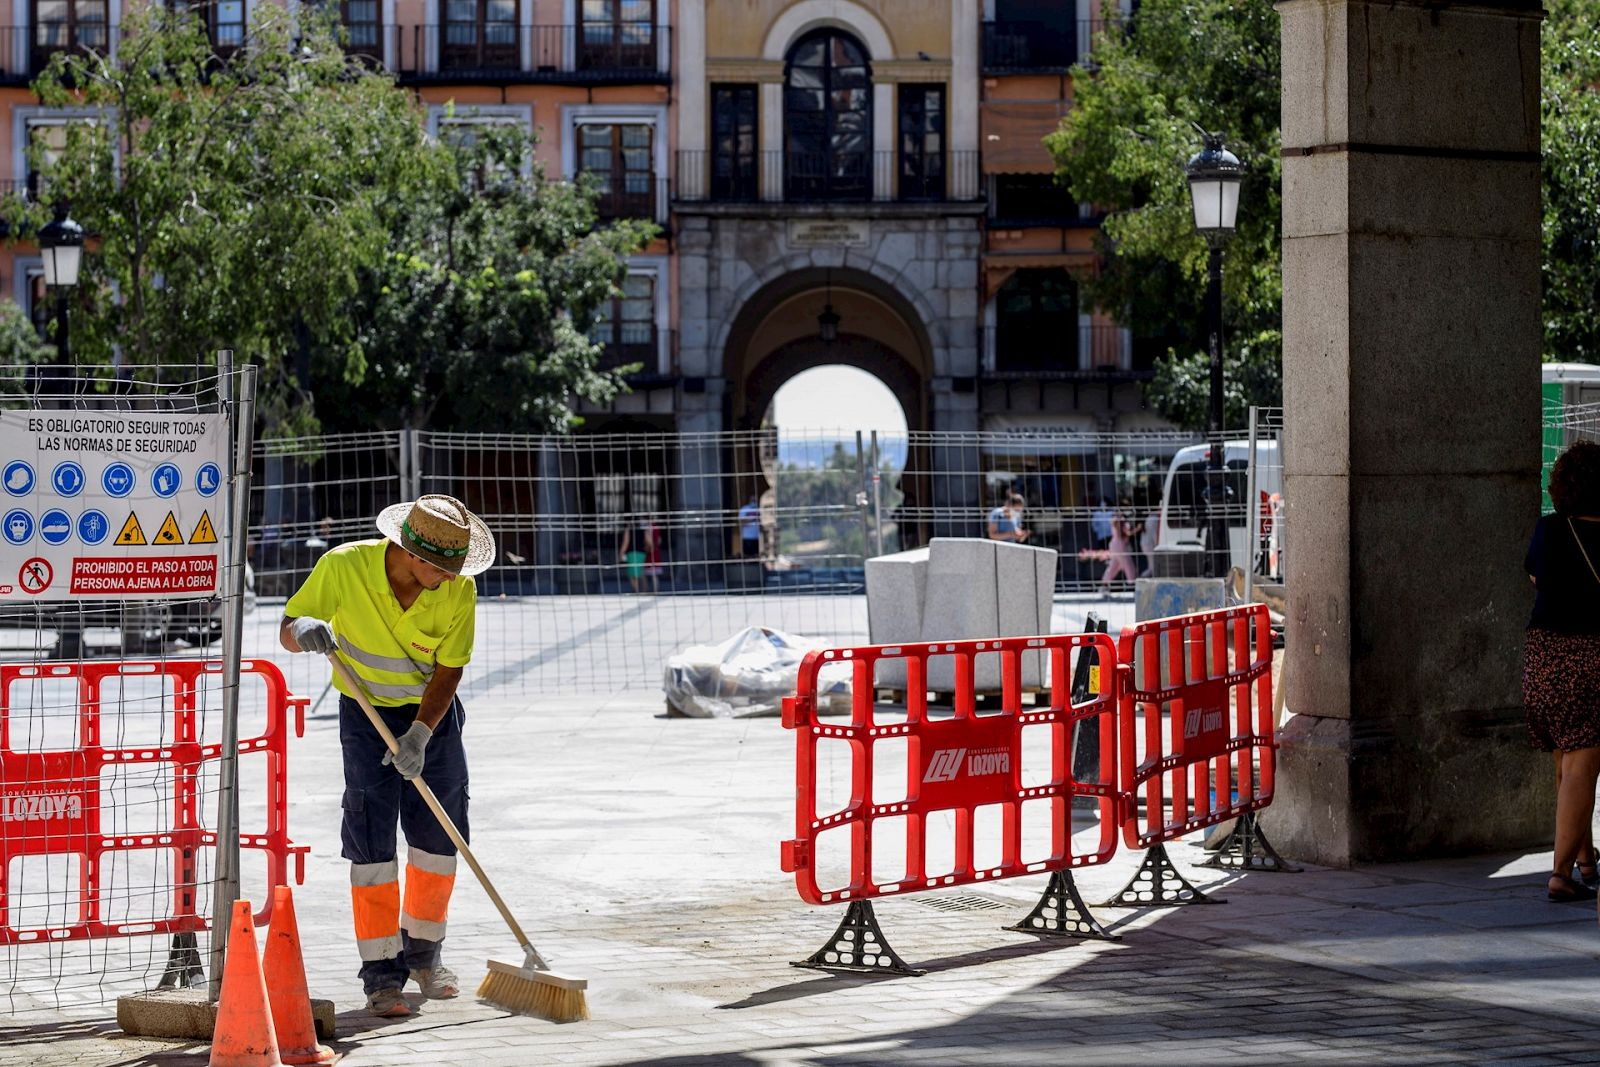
{"x":183,"y":964}
{"x":1246,"y":848}
{"x":1061,"y":912}
{"x":858,"y":945}
{"x":1157,"y":883}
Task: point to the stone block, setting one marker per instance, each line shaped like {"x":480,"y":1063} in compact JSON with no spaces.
{"x":1316,"y":353}
{"x":896,"y":590}
{"x":918,"y":276}
{"x":692,"y":271}
{"x":1026,"y":577}
{"x":189,"y":1014}
{"x":895,"y":249}
{"x":1164,"y":598}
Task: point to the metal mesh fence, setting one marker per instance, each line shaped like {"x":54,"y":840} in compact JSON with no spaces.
{"x":618,"y":550}
{"x":106,"y":883}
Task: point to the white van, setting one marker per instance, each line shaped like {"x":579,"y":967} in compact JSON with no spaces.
{"x":1183,"y":500}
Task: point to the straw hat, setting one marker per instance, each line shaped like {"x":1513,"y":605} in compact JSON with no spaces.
{"x":440,"y":530}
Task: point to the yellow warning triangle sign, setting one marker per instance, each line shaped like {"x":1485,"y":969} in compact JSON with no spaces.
{"x":131,"y":534}
{"x":203,"y":532}
{"x":169,"y":534}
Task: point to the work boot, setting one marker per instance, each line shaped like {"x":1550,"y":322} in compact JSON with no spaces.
{"x":388,"y":1004}
{"x":437,"y":983}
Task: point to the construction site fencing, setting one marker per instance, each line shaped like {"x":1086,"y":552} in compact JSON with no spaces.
{"x":124,"y":589}
{"x":617,"y":550}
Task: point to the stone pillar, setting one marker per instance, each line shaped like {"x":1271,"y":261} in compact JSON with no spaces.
{"x":1411,"y":385}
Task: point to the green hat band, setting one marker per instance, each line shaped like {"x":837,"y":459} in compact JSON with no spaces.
{"x":424,"y":543}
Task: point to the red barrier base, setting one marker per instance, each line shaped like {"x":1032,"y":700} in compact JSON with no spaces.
{"x":1061,"y":912}
{"x":858,"y":945}
{"x":1157,"y":883}
{"x":1246,"y":848}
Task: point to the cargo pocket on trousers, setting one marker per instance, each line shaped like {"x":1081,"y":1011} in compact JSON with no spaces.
{"x":353,"y":828}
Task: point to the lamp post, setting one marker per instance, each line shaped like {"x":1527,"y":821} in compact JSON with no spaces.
{"x":1214,"y":176}
{"x":61,"y":246}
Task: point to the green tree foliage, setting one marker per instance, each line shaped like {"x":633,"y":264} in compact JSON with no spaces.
{"x":1571,"y":232}
{"x":478,"y":315}
{"x":1123,"y":147}
{"x":284,"y":201}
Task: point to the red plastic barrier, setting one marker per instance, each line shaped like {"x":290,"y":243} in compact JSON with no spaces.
{"x":956,"y":764}
{"x":51,"y":799}
{"x":1209,"y":675}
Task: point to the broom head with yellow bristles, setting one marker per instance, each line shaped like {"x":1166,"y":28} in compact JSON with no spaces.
{"x":532,"y":991}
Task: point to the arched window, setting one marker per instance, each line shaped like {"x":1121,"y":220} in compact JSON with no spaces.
{"x":1036,"y":322}
{"x":827,"y":118}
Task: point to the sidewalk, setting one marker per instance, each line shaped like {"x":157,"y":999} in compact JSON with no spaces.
{"x":642,"y":853}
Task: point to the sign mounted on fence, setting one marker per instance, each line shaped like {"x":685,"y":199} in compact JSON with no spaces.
{"x":109,"y":503}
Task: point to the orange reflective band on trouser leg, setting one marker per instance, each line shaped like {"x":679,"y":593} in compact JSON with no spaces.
{"x":429,"y":880}
{"x":375,"y":905}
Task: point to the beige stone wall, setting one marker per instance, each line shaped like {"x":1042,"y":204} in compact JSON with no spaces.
{"x":739,"y":29}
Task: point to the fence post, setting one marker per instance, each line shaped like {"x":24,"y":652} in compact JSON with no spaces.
{"x":413,"y":444}
{"x":861,"y":499}
{"x":877,"y":492}
{"x":1252,"y":512}
{"x":225,"y":890}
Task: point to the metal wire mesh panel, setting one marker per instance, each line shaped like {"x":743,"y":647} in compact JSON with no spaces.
{"x":106,"y":812}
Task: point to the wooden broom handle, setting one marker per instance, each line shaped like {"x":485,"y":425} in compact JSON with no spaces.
{"x":432,"y":801}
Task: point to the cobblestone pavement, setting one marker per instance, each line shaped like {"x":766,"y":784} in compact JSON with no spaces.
{"x":642,"y":852}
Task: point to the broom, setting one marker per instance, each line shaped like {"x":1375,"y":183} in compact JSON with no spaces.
{"x":533,"y":988}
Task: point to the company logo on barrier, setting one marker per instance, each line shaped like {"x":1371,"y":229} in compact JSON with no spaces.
{"x":30,"y":807}
{"x":1197,"y":721}
{"x":945,"y":765}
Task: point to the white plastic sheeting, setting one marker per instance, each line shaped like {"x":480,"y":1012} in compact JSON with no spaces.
{"x":747,"y":675}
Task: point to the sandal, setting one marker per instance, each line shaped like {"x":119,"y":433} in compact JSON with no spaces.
{"x":1589,"y":873}
{"x":1571,"y":891}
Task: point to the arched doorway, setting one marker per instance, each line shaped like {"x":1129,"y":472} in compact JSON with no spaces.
{"x":778,"y":336}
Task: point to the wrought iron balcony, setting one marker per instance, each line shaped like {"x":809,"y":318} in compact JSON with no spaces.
{"x":1035,"y":47}
{"x":819,"y":177}
{"x":1039,"y":348}
{"x":509,"y":52}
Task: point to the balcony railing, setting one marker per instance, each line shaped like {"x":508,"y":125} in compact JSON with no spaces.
{"x":807,"y":177}
{"x":1033,"y":348}
{"x":512,"y":52}
{"x":631,"y":197}
{"x":1042,"y":46}
{"x":646,"y":344}
{"x":26,"y":50}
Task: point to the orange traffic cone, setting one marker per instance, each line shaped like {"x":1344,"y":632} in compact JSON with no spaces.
{"x":286,"y":986}
{"x":243,"y":1035}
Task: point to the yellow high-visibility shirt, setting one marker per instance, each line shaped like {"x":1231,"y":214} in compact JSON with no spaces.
{"x":392,"y":651}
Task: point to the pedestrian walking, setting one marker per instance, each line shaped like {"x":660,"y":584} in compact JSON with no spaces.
{"x":1561,"y":661}
{"x":400,"y":610}
{"x":750,"y":529}
{"x":1121,"y":551}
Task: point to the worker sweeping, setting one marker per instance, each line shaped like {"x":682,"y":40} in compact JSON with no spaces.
{"x":400,"y":610}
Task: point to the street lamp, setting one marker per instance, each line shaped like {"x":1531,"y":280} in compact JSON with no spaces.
{"x":61,"y":246}
{"x":1214,"y":175}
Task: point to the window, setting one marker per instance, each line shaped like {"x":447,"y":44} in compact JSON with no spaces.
{"x":1031,"y":35}
{"x":47,"y":139}
{"x":618,"y":155}
{"x":1036,"y":327}
{"x":627,"y":325}
{"x":224,"y":21}
{"x":617,"y":35}
{"x":827,"y":115}
{"x":1032,"y":199}
{"x":480,"y":35}
{"x":462,"y":128}
{"x":921,"y":142}
{"x":733,"y":142}
{"x":363,"y":21}
{"x":76,"y":25}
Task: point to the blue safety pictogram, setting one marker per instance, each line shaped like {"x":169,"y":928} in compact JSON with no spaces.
{"x":68,"y":479}
{"x":166,"y":479}
{"x":93,"y":526}
{"x":17,"y":478}
{"x":207,"y":479}
{"x":17,"y":526}
{"x":117,"y":479}
{"x":55,"y":526}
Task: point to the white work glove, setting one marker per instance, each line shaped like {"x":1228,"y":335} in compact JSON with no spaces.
{"x":413,"y":751}
{"x":313,"y":635}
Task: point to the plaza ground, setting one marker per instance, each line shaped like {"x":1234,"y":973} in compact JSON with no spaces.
{"x":642,"y":852}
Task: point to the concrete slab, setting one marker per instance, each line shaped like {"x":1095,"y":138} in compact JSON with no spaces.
{"x":187,"y":1014}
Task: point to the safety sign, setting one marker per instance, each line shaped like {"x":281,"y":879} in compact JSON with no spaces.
{"x":114,"y":504}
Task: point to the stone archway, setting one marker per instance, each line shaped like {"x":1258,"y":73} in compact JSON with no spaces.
{"x":775,"y":336}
